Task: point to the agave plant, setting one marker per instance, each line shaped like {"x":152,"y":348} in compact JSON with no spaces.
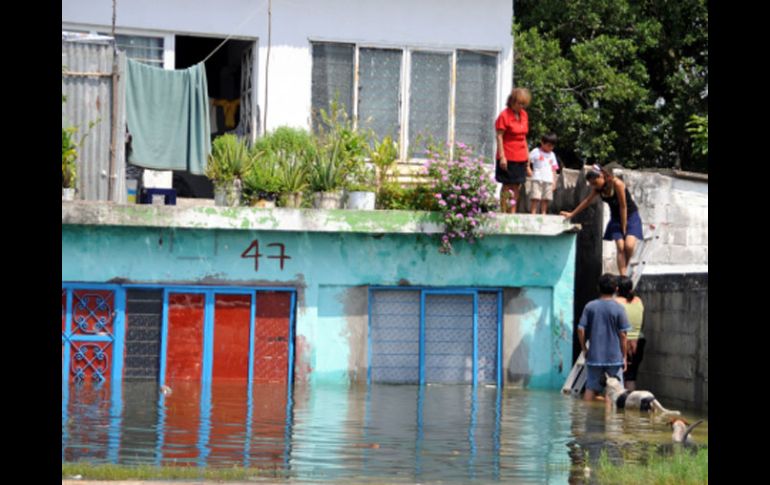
{"x":228,"y":159}
{"x":292,"y":172}
{"x":335,"y":127}
{"x":327,"y":172}
{"x":261,"y":177}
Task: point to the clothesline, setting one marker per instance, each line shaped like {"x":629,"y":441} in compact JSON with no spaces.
{"x":234,"y":32}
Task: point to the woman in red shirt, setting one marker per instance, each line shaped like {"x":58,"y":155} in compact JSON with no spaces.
{"x":512,"y":167}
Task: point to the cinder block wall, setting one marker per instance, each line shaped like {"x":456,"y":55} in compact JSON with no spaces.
{"x":675,"y":365}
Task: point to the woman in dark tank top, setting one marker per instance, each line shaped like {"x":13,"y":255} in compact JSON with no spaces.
{"x":625,"y":226}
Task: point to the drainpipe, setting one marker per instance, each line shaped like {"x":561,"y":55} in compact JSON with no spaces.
{"x":113,"y":148}
{"x":267,"y":60}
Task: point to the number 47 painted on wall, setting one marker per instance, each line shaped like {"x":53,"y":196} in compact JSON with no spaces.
{"x":256,"y":254}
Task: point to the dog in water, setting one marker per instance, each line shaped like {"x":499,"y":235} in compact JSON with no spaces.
{"x":681,"y":430}
{"x":639,"y":400}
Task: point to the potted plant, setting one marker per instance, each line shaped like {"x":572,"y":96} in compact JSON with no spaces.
{"x":384,"y":155}
{"x":261,"y":181}
{"x":229,"y":156}
{"x":69,"y":156}
{"x":292,"y":178}
{"x":346,"y":145}
{"x":291,"y":149}
{"x":69,"y":168}
{"x":361,"y":187}
{"x":326,"y":176}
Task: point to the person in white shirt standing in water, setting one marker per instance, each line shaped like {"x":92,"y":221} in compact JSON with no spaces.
{"x":544,"y":166}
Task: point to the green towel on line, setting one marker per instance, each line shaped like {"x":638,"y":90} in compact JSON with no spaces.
{"x":168,"y":117}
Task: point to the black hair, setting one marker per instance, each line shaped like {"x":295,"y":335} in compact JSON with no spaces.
{"x":608,"y":283}
{"x":625,"y":287}
{"x":596,"y":171}
{"x":549,"y":138}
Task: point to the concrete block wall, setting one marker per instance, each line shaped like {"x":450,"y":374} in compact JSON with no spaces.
{"x":679,"y":208}
{"x":675,"y":365}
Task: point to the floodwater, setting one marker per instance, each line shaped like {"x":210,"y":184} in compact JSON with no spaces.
{"x":383,"y":433}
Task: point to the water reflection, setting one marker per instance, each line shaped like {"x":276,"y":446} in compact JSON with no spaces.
{"x":382,"y":432}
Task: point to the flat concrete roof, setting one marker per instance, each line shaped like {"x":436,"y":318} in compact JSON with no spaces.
{"x":99,"y":213}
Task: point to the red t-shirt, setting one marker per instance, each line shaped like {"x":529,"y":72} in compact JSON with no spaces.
{"x":514,"y":135}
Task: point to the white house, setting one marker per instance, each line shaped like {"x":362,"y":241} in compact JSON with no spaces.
{"x":440,"y":68}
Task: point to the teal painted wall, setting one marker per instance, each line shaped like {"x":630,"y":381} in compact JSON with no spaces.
{"x":322,"y":266}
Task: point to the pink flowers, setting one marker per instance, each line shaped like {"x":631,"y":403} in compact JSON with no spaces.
{"x":463,"y":188}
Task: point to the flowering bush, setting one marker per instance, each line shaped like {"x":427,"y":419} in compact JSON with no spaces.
{"x":464,"y":191}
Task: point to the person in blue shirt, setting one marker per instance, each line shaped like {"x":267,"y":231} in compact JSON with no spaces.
{"x":604,"y":324}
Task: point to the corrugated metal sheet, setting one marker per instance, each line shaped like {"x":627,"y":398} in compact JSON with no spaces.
{"x":87,"y":84}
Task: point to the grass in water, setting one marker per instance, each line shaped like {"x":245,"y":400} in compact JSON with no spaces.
{"x":680,"y":468}
{"x":90,"y":471}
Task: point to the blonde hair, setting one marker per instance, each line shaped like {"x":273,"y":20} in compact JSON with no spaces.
{"x":520,"y":94}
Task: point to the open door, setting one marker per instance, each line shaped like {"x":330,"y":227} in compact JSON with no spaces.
{"x":249,"y":118}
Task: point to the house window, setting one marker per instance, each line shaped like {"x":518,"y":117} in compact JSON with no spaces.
{"x":144,"y":49}
{"x":414,"y":95}
{"x":144,"y":321}
{"x":475,"y":105}
{"x":141,"y":48}
{"x":379,"y":91}
{"x":92,"y":334}
{"x":207,"y":335}
{"x":435,"y":336}
{"x":110,"y":332}
{"x":332,"y":77}
{"x":429,"y":98}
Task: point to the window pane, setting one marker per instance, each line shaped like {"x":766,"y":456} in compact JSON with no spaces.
{"x":271,"y":337}
{"x":395,"y":337}
{"x":144,"y":322}
{"x":332,"y":77}
{"x":93,"y":316}
{"x":428,"y":99}
{"x":487,"y":324}
{"x":184,"y":349}
{"x":448,"y":338}
{"x":232,"y":326}
{"x":379,"y":81}
{"x":144,"y":49}
{"x":475,"y":101}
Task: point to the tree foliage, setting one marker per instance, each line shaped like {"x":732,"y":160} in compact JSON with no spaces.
{"x":617,"y":80}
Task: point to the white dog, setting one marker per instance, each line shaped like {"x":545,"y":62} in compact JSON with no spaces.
{"x":639,"y":400}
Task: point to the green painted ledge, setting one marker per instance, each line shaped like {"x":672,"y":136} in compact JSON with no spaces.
{"x":98,"y":213}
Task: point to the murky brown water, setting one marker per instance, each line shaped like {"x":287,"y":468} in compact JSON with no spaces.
{"x":384,"y":433}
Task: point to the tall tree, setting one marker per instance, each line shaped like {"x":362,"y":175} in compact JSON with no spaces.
{"x":617,"y":80}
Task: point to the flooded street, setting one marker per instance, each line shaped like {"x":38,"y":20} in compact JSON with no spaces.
{"x":387,"y":433}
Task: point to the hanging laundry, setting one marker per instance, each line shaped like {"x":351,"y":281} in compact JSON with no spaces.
{"x":213,"y":115}
{"x":230,"y":106}
{"x":168,"y":115}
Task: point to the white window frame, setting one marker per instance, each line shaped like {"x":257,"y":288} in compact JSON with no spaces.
{"x":169,"y":43}
{"x":405,"y":88}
